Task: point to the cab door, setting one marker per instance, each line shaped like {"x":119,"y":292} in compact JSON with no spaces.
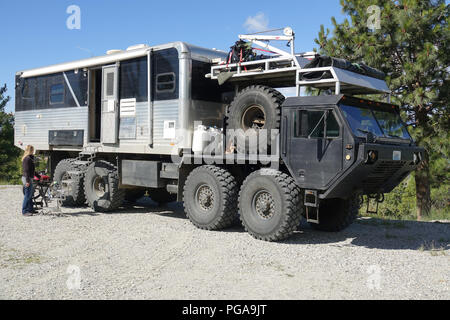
{"x":314,"y":147}
{"x":110,"y":105}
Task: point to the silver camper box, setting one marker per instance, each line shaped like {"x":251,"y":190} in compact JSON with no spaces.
{"x":64,"y":115}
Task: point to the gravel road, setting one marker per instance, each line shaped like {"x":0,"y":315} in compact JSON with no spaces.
{"x":150,"y":252}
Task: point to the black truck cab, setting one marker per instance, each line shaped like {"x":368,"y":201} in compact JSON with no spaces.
{"x":339,"y":145}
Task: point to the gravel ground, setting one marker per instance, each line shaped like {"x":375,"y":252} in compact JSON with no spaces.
{"x":150,"y":252}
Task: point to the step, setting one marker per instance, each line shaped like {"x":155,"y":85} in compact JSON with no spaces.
{"x":82,"y":162}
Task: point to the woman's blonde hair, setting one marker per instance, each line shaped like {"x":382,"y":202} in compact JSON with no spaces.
{"x":29,"y":150}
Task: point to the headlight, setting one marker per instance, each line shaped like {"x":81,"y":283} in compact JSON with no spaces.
{"x":372,"y":156}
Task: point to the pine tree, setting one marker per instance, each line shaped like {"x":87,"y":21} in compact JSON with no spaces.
{"x":9,"y":168}
{"x":408,"y":40}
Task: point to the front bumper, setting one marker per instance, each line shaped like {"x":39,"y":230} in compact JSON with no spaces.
{"x":392,"y":164}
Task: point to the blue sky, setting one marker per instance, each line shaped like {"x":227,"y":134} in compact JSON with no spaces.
{"x":34,"y":33}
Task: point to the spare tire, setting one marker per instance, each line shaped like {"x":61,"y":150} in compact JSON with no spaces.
{"x":253,"y":109}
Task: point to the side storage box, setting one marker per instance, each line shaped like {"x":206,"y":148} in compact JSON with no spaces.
{"x":141,"y":173}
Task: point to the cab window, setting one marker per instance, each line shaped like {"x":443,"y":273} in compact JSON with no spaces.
{"x":312,"y":123}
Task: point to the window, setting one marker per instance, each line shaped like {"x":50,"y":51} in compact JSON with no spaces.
{"x":208,"y":89}
{"x":57,"y":93}
{"x":51,"y":90}
{"x":312,"y":123}
{"x":391,"y":124}
{"x":165,"y":82}
{"x":78,"y":82}
{"x":165,"y":71}
{"x":361,"y":121}
{"x":133,"y":79}
{"x":110,"y":83}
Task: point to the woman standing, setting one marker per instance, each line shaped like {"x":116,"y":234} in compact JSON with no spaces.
{"x":27,"y":180}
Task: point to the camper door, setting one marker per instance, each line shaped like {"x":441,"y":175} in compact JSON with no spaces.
{"x":110,"y":112}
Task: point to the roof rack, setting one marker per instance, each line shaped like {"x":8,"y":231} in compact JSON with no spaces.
{"x":289,"y":68}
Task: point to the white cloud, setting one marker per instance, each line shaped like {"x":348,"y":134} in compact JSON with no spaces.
{"x":257,"y":23}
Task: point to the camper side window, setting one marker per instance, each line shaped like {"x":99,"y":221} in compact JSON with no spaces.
{"x":133,"y":79}
{"x":165,"y":74}
{"x":57,"y":93}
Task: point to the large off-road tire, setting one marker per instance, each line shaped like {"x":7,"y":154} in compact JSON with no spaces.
{"x":337,"y":214}
{"x":161,"y":196}
{"x":210,"y":197}
{"x":71,"y":184}
{"x":101,"y":185}
{"x":270,"y":205}
{"x":254,"y":108}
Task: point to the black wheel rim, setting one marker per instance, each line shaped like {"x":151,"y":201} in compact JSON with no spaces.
{"x":253,"y":118}
{"x":263,"y":204}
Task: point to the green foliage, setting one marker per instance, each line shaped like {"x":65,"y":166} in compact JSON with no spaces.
{"x":411,"y":47}
{"x":10,"y":165}
{"x":401,"y":201}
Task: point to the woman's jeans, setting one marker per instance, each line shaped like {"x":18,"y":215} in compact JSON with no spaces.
{"x":27,"y":205}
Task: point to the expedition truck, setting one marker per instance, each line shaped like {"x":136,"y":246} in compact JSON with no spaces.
{"x":118,"y":126}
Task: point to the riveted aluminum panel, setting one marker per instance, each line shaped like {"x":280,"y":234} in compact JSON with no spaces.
{"x":32,"y":127}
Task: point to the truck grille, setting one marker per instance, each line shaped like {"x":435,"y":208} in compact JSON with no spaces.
{"x":383,"y":171}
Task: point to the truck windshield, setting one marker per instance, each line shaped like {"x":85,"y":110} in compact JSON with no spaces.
{"x":381,"y":123}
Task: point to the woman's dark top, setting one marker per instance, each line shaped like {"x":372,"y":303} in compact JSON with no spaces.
{"x":28,"y":168}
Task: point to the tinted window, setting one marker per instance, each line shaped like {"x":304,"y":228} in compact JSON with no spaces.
{"x":78,"y":82}
{"x":208,"y":89}
{"x":165,"y":74}
{"x":57,"y":93}
{"x":133,"y":79}
{"x":51,"y":91}
{"x":311,"y":124}
{"x":361,"y":121}
{"x":391,"y":124}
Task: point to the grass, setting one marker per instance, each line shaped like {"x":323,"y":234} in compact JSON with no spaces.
{"x":432,"y":249}
{"x":8,"y":183}
{"x":443,"y":214}
{"x":12,"y":258}
{"x":382,"y":221}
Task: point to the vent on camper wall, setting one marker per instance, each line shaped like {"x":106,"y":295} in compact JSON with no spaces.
{"x":137,"y":46}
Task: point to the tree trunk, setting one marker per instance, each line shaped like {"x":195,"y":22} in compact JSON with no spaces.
{"x":423,"y":194}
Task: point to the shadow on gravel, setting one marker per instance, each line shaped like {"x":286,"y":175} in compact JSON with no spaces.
{"x":380,"y":234}
{"x":144,"y":206}
{"x":366,"y":232}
